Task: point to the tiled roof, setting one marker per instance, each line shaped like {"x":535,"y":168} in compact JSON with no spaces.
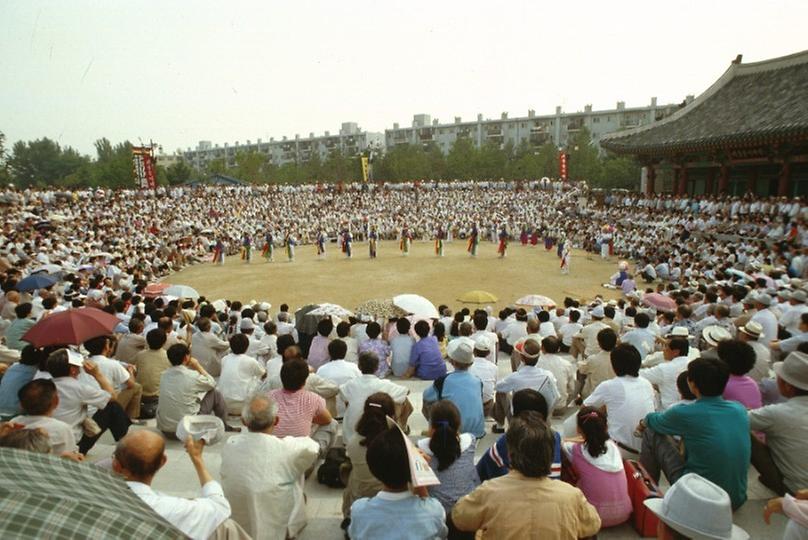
{"x":750,"y":104}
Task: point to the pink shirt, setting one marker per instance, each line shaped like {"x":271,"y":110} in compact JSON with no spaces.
{"x":744,"y":390}
{"x":296,"y":411}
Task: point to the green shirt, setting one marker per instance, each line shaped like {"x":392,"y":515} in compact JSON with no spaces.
{"x":716,"y":437}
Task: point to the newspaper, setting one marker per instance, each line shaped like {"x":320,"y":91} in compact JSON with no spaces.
{"x":421,"y":475}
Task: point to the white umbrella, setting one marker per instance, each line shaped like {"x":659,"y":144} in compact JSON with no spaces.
{"x":416,"y":305}
{"x":536,"y":300}
{"x":332,"y":310}
{"x":181,"y":291}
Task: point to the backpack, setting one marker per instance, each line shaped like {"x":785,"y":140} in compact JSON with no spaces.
{"x":329,"y":472}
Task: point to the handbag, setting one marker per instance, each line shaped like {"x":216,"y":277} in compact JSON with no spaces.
{"x":640,"y":487}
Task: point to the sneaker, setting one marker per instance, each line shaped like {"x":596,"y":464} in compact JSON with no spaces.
{"x":496,"y":428}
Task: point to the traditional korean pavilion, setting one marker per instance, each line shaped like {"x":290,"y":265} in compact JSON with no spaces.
{"x":748,"y":132}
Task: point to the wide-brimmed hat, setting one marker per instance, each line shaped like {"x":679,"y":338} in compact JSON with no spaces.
{"x":697,"y":508}
{"x":715,"y":334}
{"x":752,"y":329}
{"x":794,"y":370}
{"x":764,"y":299}
{"x":799,"y":296}
{"x":678,"y":331}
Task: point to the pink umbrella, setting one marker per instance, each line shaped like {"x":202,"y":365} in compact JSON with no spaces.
{"x":659,"y":301}
{"x":155,"y":289}
{"x":71,"y":327}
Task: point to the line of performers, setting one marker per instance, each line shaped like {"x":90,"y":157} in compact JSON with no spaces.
{"x":345,"y":240}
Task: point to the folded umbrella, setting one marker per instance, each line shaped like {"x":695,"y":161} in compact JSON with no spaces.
{"x":35,"y":281}
{"x":71,"y":327}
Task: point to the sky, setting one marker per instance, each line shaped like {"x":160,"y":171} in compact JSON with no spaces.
{"x":180,"y":72}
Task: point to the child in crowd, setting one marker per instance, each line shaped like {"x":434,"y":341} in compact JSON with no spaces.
{"x":452,"y":454}
{"x":395,"y":512}
{"x":598,"y":465}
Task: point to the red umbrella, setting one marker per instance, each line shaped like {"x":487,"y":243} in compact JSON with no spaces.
{"x":71,"y":327}
{"x":155,"y":289}
{"x":659,"y":301}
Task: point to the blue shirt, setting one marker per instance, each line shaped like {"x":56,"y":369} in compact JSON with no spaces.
{"x":401,"y":347}
{"x":397,"y":516}
{"x":496,"y":462}
{"x":466,"y":391}
{"x":427,"y":359}
{"x":17,"y":376}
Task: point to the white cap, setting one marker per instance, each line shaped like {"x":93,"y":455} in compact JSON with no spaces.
{"x":482,"y":344}
{"x":201,"y":426}
{"x":247,"y":324}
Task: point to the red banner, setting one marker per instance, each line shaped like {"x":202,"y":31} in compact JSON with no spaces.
{"x":143,"y":167}
{"x":562,"y":165}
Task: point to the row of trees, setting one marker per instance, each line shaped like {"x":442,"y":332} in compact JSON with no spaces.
{"x":44,"y":162}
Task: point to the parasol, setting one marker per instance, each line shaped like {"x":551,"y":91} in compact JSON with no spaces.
{"x":155,"y":289}
{"x":659,"y":301}
{"x":181,"y":291}
{"x":416,"y":304}
{"x":332,"y":310}
{"x":71,"y":327}
{"x":477,"y":297}
{"x":536,"y":300}
{"x":380,"y":308}
{"x":35,"y":281}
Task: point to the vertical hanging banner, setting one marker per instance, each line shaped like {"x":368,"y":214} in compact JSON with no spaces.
{"x":562,"y":165}
{"x":364,"y":168}
{"x":143,"y":167}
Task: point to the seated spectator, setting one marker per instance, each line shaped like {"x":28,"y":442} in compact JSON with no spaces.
{"x":598,"y":367}
{"x":570,"y":329}
{"x":150,"y":364}
{"x":740,"y":357}
{"x":15,"y":377}
{"x":132,"y":342}
{"x":187,"y":389}
{"x":377,"y":346}
{"x":640,"y":336}
{"x":19,"y":326}
{"x":795,"y":508}
{"x":361,"y":483}
{"x":781,"y":459}
{"x":241,"y":374}
{"x":121,"y":378}
{"x":562,"y":370}
{"x":351,"y":344}
{"x":395,"y":513}
{"x":486,"y":371}
{"x":208,"y":348}
{"x":546,"y":328}
{"x":529,"y":375}
{"x":318,"y":350}
{"x":496,"y":462}
{"x":77,"y":395}
{"x":685,"y":393}
{"x":401,"y":348}
{"x":139,"y":456}
{"x":715,"y":433}
{"x":355,"y":392}
{"x":598,"y":466}
{"x":452,"y":454}
{"x":461,"y":388}
{"x":302,"y":413}
{"x":30,"y":440}
{"x":426,"y":360}
{"x":480,"y":321}
{"x":525,"y":503}
{"x":266,"y":495}
{"x":664,"y":375}
{"x":38,"y":400}
{"x":338,"y":370}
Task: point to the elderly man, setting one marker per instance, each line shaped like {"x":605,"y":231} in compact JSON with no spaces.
{"x":664,"y":375}
{"x":266,"y":495}
{"x":750,"y":333}
{"x":208,"y":347}
{"x":151,"y":364}
{"x":586,"y":341}
{"x":529,"y":375}
{"x":131,"y":343}
{"x":139,"y":456}
{"x":122,"y":378}
{"x":766,"y":318}
{"x":241,"y":374}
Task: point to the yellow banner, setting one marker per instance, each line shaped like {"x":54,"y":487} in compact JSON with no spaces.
{"x":364,"y":168}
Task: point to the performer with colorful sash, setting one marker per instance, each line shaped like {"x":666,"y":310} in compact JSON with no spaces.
{"x":269,"y":247}
{"x":502,"y":249}
{"x":321,"y":244}
{"x":290,"y":243}
{"x":406,"y":240}
{"x":246,"y":248}
{"x":218,"y":252}
{"x":440,"y":236}
{"x":565,"y":255}
{"x":474,"y":240}
{"x":347,"y":241}
{"x":373,"y":236}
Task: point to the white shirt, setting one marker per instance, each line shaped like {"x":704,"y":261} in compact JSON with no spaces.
{"x":352,"y":354}
{"x":792,"y":318}
{"x":60,"y":434}
{"x":514,"y":332}
{"x":769,"y":323}
{"x":627,"y":400}
{"x":113,"y":370}
{"x":534,"y":377}
{"x":493,"y":342}
{"x":355,"y":392}
{"x":564,"y":374}
{"x":664,"y":377}
{"x":547,"y":329}
{"x":262,"y":476}
{"x":567,"y":331}
{"x":486,"y":371}
{"x":339,"y":372}
{"x":197,"y":518}
{"x":240,"y":376}
{"x":590,"y":335}
{"x":75,"y":397}
{"x":287,"y":328}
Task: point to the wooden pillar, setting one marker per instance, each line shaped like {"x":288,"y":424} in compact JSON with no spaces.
{"x":751,"y":181}
{"x":723,"y":179}
{"x":682,"y":181}
{"x":650,"y":180}
{"x":785,"y":179}
{"x":710,"y":185}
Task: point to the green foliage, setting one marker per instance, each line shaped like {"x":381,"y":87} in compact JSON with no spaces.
{"x":176,"y":173}
{"x":43,"y":162}
{"x":5,"y":174}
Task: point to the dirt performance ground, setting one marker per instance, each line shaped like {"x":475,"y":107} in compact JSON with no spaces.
{"x":349,"y":282}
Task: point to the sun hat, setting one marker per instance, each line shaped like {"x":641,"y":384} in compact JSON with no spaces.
{"x":698,"y":509}
{"x":752,"y":329}
{"x":794,"y":370}
{"x":482,"y":344}
{"x":463,"y":353}
{"x":764,"y":299}
{"x":598,"y":312}
{"x":201,"y":426}
{"x":714,"y":334}
{"x":799,"y":296}
{"x":678,"y":331}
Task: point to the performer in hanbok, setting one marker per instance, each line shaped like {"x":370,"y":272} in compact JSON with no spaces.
{"x":406,"y":240}
{"x":218,"y":252}
{"x":502,"y":248}
{"x":440,"y":236}
{"x":373,"y":237}
{"x":534,"y":237}
{"x":523,"y":236}
{"x":474,"y":240}
{"x":290,"y":241}
{"x":321,"y":244}
{"x":347,"y":242}
{"x":565,"y":255}
{"x":246,"y":248}
{"x":605,"y":241}
{"x":269,"y":247}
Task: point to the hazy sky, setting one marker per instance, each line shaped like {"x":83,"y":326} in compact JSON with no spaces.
{"x":180,"y":72}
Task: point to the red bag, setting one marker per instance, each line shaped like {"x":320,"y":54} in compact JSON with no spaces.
{"x":640,"y":487}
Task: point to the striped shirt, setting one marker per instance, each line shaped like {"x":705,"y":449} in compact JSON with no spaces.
{"x":296,"y":411}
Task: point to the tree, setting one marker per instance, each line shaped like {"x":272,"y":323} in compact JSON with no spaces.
{"x":215,"y":166}
{"x":43,"y":162}
{"x":113,"y":164}
{"x":249,"y":166}
{"x":584,"y":161}
{"x":461,"y":160}
{"x":620,"y":172}
{"x":5,"y":174}
{"x":178,"y":173}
